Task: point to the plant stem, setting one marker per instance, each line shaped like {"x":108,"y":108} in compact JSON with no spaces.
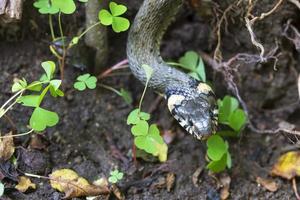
{"x":144,"y":92}
{"x":51,"y":27}
{"x":111,"y":89}
{"x":88,"y":29}
{"x":11,"y":98}
{"x":17,"y":135}
{"x":62,"y":61}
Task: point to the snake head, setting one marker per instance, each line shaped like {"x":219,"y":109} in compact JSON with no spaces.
{"x":195,"y":111}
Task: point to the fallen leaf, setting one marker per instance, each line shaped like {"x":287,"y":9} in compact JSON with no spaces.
{"x":68,"y":181}
{"x":24,"y":184}
{"x":225,"y":181}
{"x":269,"y":184}
{"x":288,"y":165}
{"x":117,"y":192}
{"x":37,"y":142}
{"x":160,"y":182}
{"x":7,"y":147}
{"x":195,"y":177}
{"x":170,"y":181}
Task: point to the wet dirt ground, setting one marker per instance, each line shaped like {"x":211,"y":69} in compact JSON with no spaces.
{"x":93,"y":138}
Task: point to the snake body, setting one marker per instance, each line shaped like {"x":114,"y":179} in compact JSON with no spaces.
{"x":192,"y":103}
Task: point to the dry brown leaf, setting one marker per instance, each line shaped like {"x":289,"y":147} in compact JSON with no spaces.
{"x":117,"y":192}
{"x":225,"y":181}
{"x":195,"y":177}
{"x":288,"y":165}
{"x":24,"y":184}
{"x":170,"y":181}
{"x":269,"y":184}
{"x":68,"y":181}
{"x":7,"y":147}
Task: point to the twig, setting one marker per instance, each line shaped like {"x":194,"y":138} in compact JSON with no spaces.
{"x":120,"y":65}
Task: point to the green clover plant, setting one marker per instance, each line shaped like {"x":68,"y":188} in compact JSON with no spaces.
{"x":112,"y":17}
{"x":41,"y":118}
{"x":85,"y":81}
{"x":147,"y":137}
{"x":115,"y":176}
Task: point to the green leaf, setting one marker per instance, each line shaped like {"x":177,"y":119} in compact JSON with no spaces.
{"x":83,"y":77}
{"x":91,"y":82}
{"x":105,"y":17}
{"x":49,"y":67}
{"x":120,"y":24}
{"x":42,"y":118}
{"x":55,"y":84}
{"x":194,"y":75}
{"x":152,"y":143}
{"x":219,"y":165}
{"x":229,"y":105}
{"x":65,"y":6}
{"x":35,"y":86}
{"x":113,"y":18}
{"x":16,"y":87}
{"x":189,"y":60}
{"x":117,"y":10}
{"x":141,"y":128}
{"x":84,"y":81}
{"x":216,"y":147}
{"x":45,"y":7}
{"x":1,"y":189}
{"x":29,"y":100}
{"x":237,"y":119}
{"x":126,"y":96}
{"x":113,"y":179}
{"x":119,"y":176}
{"x":200,"y":69}
{"x":148,"y":71}
{"x":80,"y":86}
{"x":136,"y":115}
{"x":56,"y":92}
{"x":83,"y":1}
{"x":133,"y":117}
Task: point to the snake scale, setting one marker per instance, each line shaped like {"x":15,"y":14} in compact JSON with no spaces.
{"x":191,"y":103}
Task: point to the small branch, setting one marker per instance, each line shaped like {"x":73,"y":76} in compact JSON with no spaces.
{"x":120,"y":65}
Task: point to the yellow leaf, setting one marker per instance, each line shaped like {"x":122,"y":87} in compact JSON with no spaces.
{"x":24,"y":184}
{"x":68,"y":181}
{"x":162,"y":152}
{"x":288,"y":165}
{"x":7,"y":147}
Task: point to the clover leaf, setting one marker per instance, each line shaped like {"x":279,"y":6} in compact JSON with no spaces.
{"x":49,"y":67}
{"x":119,"y":24}
{"x":136,"y":116}
{"x":45,"y":7}
{"x":152,"y":143}
{"x":54,"y":6}
{"x":194,"y":63}
{"x":115,"y":176}
{"x":85,"y":81}
{"x":42,"y":118}
{"x":19,"y":85}
{"x":126,"y":95}
{"x":217,"y":152}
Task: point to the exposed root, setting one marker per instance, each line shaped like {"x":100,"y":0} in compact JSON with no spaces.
{"x":250,"y":23}
{"x":227,"y":70}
